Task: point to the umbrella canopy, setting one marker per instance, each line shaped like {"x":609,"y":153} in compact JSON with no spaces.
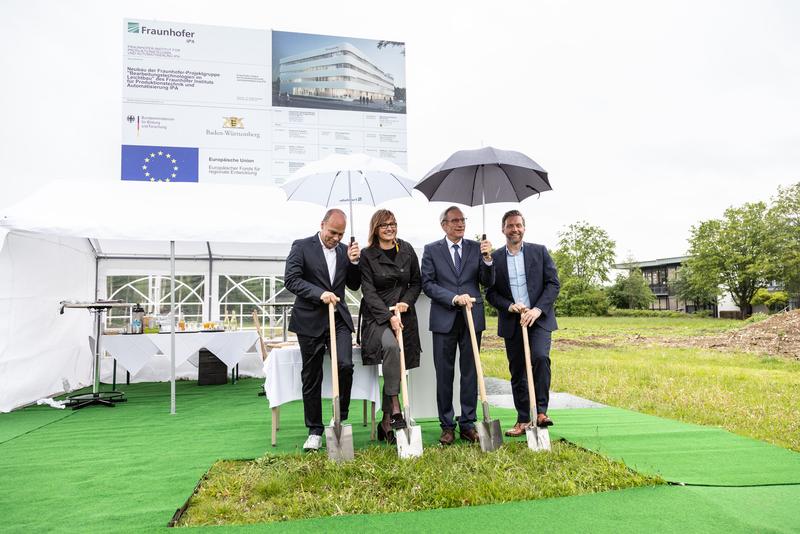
{"x":484,"y":176}
{"x":346,"y":179}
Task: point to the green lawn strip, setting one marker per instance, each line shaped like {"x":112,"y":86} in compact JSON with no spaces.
{"x":660,"y":509}
{"x":280,"y":488}
{"x":676,"y":451}
{"x":747,"y":394}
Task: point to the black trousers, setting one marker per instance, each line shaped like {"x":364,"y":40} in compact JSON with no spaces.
{"x":444,"y":361}
{"x":313,"y":351}
{"x":539,"y":340}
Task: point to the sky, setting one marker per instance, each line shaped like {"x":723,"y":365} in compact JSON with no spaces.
{"x":648,"y":116}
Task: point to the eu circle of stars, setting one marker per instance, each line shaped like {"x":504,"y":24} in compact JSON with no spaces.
{"x":160,"y":167}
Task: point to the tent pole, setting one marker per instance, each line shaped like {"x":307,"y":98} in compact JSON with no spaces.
{"x":172,"y":327}
{"x":210,"y":279}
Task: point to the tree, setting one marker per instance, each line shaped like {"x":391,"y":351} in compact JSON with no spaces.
{"x":585,"y":254}
{"x":689,"y":288}
{"x":631,"y":291}
{"x":784,"y":219}
{"x":589,"y":252}
{"x":736,"y":252}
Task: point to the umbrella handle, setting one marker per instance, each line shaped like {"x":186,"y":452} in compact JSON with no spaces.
{"x":487,"y":256}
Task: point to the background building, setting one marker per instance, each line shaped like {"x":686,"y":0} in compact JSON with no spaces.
{"x":661,"y":275}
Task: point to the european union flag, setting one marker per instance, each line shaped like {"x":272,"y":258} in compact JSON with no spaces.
{"x":159,"y":163}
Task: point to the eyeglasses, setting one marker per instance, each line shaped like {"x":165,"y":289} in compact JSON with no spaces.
{"x":386,"y":226}
{"x":460,"y":220}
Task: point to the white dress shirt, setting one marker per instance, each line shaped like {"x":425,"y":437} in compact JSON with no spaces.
{"x":330,"y":259}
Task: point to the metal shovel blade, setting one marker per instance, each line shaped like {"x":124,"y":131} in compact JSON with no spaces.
{"x":490,"y":435}
{"x":339,"y":444}
{"x":538,"y":438}
{"x":409,"y":442}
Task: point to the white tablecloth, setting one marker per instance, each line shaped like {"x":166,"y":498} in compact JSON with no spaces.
{"x":283,"y":383}
{"x":134,"y":351}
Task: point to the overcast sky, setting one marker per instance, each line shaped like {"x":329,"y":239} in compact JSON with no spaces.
{"x":648,"y":116}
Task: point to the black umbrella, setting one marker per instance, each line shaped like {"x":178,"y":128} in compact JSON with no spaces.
{"x":484,"y":176}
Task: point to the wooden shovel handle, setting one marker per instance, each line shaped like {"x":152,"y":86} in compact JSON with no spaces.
{"x":529,"y":372}
{"x":334,"y":355}
{"x":475,"y":350}
{"x":403,"y":380}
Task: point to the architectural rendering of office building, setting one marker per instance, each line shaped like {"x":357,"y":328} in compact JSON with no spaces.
{"x":338,"y":72}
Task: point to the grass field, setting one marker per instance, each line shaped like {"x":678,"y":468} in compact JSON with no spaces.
{"x":751,"y":395}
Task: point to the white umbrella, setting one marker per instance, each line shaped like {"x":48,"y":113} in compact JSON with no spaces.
{"x":347,"y":178}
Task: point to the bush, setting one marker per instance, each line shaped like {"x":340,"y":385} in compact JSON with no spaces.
{"x":756,"y":318}
{"x":617,"y":312}
{"x":588,"y":302}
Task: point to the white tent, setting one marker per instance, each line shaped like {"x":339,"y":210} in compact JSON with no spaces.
{"x":62,"y":241}
{"x":58,"y":243}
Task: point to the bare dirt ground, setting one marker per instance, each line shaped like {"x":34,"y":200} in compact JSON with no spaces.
{"x":779,"y":335}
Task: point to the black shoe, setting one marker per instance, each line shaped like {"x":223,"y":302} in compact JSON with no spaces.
{"x":397,"y":421}
{"x":383,"y":435}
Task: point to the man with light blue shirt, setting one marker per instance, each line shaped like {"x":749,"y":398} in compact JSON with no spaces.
{"x":524,"y":291}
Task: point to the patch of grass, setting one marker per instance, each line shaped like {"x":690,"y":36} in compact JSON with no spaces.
{"x":285,"y":487}
{"x":746,"y":394}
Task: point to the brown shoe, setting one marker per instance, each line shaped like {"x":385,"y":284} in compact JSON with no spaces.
{"x":448,"y":436}
{"x":469,"y":434}
{"x":543,"y":421}
{"x":517,"y":430}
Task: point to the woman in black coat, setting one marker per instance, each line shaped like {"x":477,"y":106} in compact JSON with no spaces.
{"x":389,"y":277}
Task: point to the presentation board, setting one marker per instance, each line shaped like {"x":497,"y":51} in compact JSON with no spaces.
{"x":230,"y":105}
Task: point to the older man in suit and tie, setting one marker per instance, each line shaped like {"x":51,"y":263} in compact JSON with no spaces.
{"x":317,"y":270}
{"x":525,"y":288}
{"x":452,"y":270}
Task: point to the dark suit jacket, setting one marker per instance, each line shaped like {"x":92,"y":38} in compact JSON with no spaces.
{"x":307,"y":277}
{"x":384,"y":283}
{"x":541,"y":277}
{"x":440,"y":283}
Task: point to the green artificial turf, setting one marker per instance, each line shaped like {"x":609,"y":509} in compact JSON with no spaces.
{"x":128,"y":468}
{"x":678,"y":452}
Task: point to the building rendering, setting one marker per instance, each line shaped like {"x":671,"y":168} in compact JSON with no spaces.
{"x":338,"y":72}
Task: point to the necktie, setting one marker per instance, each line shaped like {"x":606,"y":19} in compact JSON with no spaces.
{"x":457,"y":259}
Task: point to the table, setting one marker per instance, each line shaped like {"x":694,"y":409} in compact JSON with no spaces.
{"x":134,"y":350}
{"x":283,"y":383}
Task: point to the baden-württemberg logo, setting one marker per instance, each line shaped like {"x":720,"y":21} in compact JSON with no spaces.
{"x":133,"y":27}
{"x":233,"y":122}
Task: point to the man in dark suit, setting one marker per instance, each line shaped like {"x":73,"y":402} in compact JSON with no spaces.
{"x":317,"y":270}
{"x":452,"y":270}
{"x":525,"y":288}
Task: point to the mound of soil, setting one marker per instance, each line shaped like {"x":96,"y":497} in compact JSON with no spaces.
{"x":778,"y":335}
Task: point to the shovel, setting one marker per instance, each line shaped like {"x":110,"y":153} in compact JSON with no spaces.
{"x":538,"y":438}
{"x":338,"y":437}
{"x":490,"y":436}
{"x":409,"y":439}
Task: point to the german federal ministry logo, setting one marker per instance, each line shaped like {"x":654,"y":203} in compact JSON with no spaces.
{"x":233,"y":122}
{"x":133,"y":27}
